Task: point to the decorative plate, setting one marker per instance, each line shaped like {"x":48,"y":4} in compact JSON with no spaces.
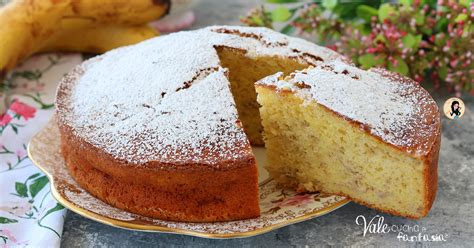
{"x":279,"y":207}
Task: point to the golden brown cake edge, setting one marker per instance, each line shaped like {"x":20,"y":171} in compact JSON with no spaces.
{"x":181,"y":194}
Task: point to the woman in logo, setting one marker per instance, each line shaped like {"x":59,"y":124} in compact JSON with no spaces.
{"x":455,"y":109}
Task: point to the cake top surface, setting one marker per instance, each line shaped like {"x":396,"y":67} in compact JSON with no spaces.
{"x":168,"y":99}
{"x":392,"y":107}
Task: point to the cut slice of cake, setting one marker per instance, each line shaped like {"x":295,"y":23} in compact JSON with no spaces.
{"x":373,"y":136}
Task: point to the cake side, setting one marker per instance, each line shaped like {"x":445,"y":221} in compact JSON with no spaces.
{"x":199,"y":194}
{"x":431,"y":172}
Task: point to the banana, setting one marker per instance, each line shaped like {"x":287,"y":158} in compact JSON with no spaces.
{"x":98,"y":39}
{"x":120,"y":11}
{"x":23,"y":28}
{"x":31,"y":26}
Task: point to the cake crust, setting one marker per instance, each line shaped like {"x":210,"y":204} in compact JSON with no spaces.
{"x":199,"y":194}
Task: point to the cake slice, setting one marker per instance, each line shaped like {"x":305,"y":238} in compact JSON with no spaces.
{"x":373,"y":136}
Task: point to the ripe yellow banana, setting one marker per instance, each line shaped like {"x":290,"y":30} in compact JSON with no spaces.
{"x":129,"y":12}
{"x":30,"y":26}
{"x":98,"y":39}
{"x":23,"y":27}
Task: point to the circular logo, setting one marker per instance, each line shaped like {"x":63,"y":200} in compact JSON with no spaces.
{"x":454,"y":108}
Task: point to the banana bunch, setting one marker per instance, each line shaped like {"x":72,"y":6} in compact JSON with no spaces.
{"x":28,"y":27}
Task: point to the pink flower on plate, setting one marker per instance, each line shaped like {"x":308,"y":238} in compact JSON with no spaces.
{"x":297,"y":200}
{"x":22,"y":109}
{"x":5,"y":119}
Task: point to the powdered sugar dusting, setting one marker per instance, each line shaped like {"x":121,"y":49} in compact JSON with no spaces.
{"x":392,"y":107}
{"x":168,"y":99}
